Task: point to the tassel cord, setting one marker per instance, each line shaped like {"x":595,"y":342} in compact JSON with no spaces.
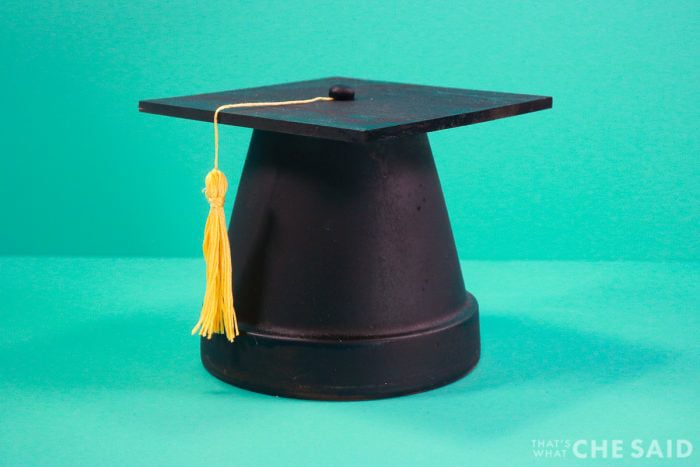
{"x":218,"y":315}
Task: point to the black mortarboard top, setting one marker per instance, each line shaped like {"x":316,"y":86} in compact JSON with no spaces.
{"x":346,"y":279}
{"x":379,"y":110}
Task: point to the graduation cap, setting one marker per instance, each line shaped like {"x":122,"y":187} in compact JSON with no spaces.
{"x":339,"y":255}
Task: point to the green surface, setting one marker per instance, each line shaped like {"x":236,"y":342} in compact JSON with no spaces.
{"x":610,"y":173}
{"x":97,"y":368}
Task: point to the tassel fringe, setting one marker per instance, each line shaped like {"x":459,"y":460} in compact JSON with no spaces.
{"x":218,"y":315}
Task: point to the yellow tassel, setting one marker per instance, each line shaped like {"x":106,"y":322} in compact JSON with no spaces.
{"x":218,"y":315}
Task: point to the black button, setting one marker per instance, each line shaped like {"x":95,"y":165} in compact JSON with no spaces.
{"x":340,"y":92}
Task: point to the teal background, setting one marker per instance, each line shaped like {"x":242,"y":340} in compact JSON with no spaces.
{"x":610,"y":173}
{"x":571,"y":350}
{"x":579,"y":226}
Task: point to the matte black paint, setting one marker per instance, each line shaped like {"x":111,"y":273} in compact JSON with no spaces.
{"x":346,"y":278}
{"x":379,"y":109}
